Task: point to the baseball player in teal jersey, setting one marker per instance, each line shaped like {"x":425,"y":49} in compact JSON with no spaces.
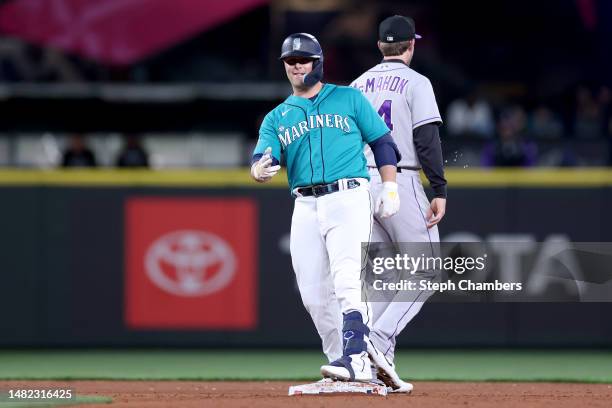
{"x":321,"y":131}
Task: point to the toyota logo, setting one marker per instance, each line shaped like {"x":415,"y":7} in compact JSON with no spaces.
{"x":190,"y":263}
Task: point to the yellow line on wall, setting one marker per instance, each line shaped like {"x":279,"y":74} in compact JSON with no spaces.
{"x":135,"y":178}
{"x":219,"y":178}
{"x":539,"y":177}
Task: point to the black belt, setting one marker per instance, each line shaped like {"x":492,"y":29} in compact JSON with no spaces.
{"x":323,"y":189}
{"x":399,"y":169}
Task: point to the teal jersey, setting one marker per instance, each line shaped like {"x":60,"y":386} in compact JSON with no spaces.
{"x":322,"y":140}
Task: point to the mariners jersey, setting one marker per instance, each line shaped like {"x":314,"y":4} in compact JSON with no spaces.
{"x":404,"y":99}
{"x":322,"y":140}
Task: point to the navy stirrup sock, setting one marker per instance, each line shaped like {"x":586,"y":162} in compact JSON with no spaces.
{"x":353,"y":332}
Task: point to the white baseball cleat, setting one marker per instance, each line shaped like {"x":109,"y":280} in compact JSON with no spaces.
{"x":355,"y":367}
{"x":386,"y":370}
{"x":404,"y":388}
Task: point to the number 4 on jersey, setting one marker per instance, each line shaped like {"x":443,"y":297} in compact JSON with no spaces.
{"x":385,"y":113}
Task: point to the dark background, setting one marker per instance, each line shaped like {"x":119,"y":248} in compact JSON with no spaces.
{"x":63,"y":282}
{"x":62,"y":249}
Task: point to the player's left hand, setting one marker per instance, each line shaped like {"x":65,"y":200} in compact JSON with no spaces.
{"x":387,"y":202}
{"x":436,"y":211}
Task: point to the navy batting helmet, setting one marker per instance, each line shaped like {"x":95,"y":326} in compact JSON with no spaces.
{"x":305,"y":45}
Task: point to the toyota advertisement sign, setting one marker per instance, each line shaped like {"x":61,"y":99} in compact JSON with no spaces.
{"x":190,"y":263}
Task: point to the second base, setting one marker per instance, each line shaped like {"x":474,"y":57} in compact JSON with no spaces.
{"x":336,"y":387}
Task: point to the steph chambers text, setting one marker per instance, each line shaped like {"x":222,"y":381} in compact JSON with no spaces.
{"x":461,"y":285}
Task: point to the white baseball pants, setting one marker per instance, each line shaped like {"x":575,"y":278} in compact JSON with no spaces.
{"x":326,"y":237}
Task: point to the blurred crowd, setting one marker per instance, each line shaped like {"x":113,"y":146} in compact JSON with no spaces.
{"x":79,"y":154}
{"x":478,"y":130}
{"x":483,"y":126}
{"x":514,"y":135}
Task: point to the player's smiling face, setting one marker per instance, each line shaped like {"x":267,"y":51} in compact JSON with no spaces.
{"x":296,"y":68}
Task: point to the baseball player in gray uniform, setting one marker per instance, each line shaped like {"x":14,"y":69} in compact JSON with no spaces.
{"x":406,"y":101}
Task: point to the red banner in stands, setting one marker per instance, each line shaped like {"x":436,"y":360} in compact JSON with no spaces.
{"x":191,"y":263}
{"x":118,"y":32}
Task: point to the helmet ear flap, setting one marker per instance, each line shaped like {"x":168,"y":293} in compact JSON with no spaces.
{"x":316,"y":74}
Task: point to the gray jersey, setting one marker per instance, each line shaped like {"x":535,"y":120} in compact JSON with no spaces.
{"x":404,"y":99}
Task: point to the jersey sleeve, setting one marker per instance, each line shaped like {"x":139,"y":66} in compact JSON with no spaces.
{"x":268,"y":138}
{"x":422,"y":102}
{"x":369,"y":122}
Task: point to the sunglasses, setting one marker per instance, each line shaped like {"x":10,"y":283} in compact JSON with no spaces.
{"x":298,"y":60}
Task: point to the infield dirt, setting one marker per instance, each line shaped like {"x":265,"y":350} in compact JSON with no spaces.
{"x":131,"y":394}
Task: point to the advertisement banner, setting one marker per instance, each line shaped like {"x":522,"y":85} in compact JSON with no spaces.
{"x":191,"y":263}
{"x":117,"y":32}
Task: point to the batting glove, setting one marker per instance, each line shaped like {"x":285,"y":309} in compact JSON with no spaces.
{"x":263,"y":170}
{"x":387,"y":202}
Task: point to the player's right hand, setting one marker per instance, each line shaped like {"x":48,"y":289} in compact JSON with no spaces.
{"x":262,"y":170}
{"x":436,"y":211}
{"x":387,"y":202}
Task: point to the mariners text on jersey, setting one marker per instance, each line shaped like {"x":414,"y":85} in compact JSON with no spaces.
{"x":321,"y":139}
{"x":288,"y":135}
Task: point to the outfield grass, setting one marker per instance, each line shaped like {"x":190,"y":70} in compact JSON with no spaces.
{"x":419,"y":365}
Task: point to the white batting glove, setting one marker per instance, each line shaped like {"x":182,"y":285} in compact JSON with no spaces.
{"x":263,"y":170}
{"x":387,"y":202}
